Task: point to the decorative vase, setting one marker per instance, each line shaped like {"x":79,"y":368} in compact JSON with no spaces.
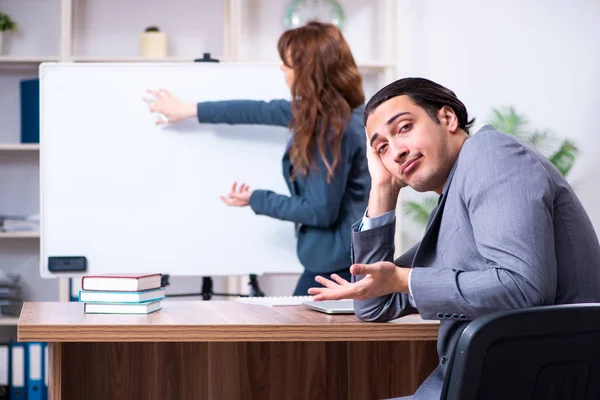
{"x":153,"y":44}
{"x":1,"y":41}
{"x":299,"y":12}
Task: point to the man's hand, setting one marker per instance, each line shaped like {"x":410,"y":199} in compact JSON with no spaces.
{"x":238,"y":197}
{"x":171,"y":107}
{"x":384,"y":186}
{"x":380,"y":279}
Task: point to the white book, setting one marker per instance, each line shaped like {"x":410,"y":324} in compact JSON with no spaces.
{"x":122,"y":308}
{"x":95,"y":296}
{"x":275,"y":301}
{"x":121,"y":282}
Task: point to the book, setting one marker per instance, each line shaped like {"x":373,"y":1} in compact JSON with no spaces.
{"x":30,"y":110}
{"x":97,"y":296}
{"x":122,"y":308}
{"x":275,"y":301}
{"x":121,"y":282}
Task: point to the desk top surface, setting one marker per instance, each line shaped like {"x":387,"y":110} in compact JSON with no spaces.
{"x":210,"y":321}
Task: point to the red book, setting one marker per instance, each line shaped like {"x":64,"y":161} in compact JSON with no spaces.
{"x":121,"y":282}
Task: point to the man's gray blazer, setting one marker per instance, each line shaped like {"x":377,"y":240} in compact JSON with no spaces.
{"x":509,"y":232}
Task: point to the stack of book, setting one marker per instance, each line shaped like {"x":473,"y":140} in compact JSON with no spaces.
{"x":121,"y":293}
{"x":11,"y":295}
{"x":20,"y":223}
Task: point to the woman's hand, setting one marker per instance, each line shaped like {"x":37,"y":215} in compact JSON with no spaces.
{"x":171,"y":107}
{"x":238,"y":197}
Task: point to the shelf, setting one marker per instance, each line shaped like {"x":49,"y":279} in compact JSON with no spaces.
{"x":132,"y":59}
{"x":19,"y":147}
{"x":375,"y":64}
{"x":9,"y":321}
{"x":19,"y":235}
{"x":26,"y":60}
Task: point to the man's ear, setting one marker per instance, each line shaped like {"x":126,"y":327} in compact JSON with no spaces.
{"x":448,"y":118}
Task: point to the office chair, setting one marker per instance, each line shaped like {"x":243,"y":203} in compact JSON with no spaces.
{"x":539,"y":353}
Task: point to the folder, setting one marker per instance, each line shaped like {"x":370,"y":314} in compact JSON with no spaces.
{"x":74,"y":288}
{"x":30,"y":111}
{"x":4,"y":368}
{"x":45,"y":387}
{"x":35,"y":371}
{"x":16,"y":371}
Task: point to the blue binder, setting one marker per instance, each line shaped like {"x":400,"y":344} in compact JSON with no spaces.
{"x":45,"y":387}
{"x":74,"y":287}
{"x":30,"y":111}
{"x":17,"y":369}
{"x":4,"y":371}
{"x":35,"y":369}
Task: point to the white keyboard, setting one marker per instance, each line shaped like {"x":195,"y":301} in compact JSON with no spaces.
{"x":275,"y":301}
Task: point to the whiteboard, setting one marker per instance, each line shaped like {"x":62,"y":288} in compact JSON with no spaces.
{"x":133,"y":197}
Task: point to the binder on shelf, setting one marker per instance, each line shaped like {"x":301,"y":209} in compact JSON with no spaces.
{"x":16,"y":372}
{"x":74,"y":288}
{"x":35,"y":371}
{"x":4,"y":368}
{"x":30,"y":111}
{"x":45,"y":387}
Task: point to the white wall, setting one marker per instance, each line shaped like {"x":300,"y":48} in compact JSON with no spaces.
{"x":541,"y":56}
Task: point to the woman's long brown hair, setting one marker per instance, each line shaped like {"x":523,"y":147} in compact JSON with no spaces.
{"x":327,"y":86}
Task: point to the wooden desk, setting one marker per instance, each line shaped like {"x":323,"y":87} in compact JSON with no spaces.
{"x":228,"y":350}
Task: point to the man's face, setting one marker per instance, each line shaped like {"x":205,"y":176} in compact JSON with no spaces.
{"x":411,"y":145}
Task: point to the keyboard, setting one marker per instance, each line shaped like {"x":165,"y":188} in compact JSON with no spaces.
{"x":275,"y":301}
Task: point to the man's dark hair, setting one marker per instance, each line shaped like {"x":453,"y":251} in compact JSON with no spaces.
{"x":427,"y":94}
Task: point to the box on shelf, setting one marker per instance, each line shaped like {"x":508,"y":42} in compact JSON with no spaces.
{"x":30,"y":110}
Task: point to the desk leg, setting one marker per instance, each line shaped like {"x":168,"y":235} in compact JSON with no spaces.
{"x":278,"y":370}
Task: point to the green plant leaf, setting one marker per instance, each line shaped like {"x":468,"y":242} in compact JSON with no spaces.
{"x":564,"y":158}
{"x":543,"y":141}
{"x":507,"y":120}
{"x":419,"y":212}
{"x":7,"y":24}
{"x":538,"y":138}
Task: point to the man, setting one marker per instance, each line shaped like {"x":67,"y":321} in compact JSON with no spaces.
{"x":508,"y":231}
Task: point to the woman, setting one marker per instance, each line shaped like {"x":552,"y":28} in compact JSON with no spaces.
{"x":325,"y":164}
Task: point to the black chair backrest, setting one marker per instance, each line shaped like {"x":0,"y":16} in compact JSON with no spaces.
{"x":539,"y":353}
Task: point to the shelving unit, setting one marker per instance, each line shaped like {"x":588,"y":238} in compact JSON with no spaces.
{"x":27,"y":60}
{"x":89,"y":32}
{"x":373,"y":64}
{"x":19,"y":235}
{"x":19,"y":147}
{"x":8,"y":321}
{"x":232,"y":31}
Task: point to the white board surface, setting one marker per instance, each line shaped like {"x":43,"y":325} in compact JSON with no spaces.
{"x":132,"y":197}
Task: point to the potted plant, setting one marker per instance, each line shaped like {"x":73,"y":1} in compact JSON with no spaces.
{"x":561,"y":153}
{"x":6,"y":24}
